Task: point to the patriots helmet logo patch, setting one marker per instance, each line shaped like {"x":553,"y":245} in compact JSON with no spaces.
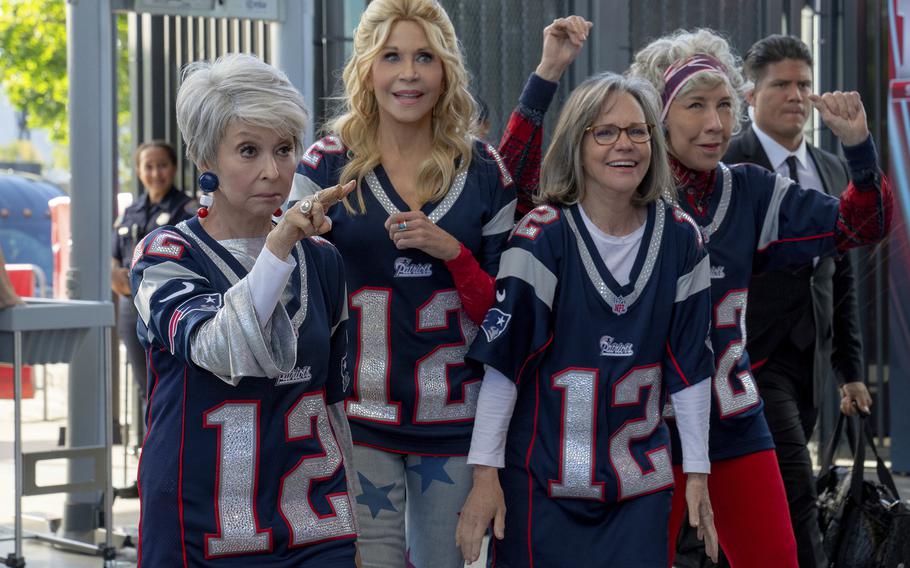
{"x":495,"y":323}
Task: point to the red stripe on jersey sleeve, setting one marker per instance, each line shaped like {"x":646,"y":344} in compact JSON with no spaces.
{"x":864,"y":216}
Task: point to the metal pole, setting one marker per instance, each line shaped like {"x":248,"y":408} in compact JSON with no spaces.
{"x":109,"y":552}
{"x":293,"y":51}
{"x":126,"y":415}
{"x":17,"y":559}
{"x":44,"y":391}
{"x":90,"y":49}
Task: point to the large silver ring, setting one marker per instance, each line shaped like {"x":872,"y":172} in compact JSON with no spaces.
{"x":402,"y":226}
{"x":306,"y":206}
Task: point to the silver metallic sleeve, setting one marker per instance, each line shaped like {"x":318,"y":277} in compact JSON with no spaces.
{"x":232,"y":345}
{"x":339,"y":421}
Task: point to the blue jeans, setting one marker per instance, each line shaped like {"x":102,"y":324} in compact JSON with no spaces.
{"x":408,"y":508}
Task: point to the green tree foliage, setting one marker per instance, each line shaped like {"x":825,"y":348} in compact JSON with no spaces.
{"x":33,"y":62}
{"x":33,"y":70}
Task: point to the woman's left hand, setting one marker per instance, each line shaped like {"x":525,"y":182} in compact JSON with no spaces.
{"x":844,"y":114}
{"x":701,"y":515}
{"x":412,"y":229}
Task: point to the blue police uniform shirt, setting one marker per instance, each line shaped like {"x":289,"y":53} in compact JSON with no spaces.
{"x":409,"y":332}
{"x":594,"y":363}
{"x":142,"y":217}
{"x":246,"y":475}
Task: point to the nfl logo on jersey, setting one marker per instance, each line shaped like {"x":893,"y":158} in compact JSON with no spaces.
{"x":619,"y":308}
{"x":495,"y":323}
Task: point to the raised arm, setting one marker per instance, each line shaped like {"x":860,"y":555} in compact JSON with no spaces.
{"x":864,"y":215}
{"x":522,"y":141}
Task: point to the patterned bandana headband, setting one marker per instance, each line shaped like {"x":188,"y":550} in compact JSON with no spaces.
{"x":678,"y":74}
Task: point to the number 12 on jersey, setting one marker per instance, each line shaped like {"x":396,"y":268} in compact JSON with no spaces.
{"x":372,"y":378}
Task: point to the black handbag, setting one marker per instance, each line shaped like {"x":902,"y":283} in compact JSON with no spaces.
{"x":864,"y":524}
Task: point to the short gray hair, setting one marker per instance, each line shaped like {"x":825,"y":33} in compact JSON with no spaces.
{"x":236,"y":87}
{"x":653,"y":60}
{"x":562,"y":172}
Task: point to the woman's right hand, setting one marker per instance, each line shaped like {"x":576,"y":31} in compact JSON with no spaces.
{"x":701,"y":514}
{"x":296,"y":225}
{"x":562,"y":40}
{"x":485,"y":502}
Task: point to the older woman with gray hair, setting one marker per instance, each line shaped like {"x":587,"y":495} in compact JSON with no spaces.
{"x":603,"y":307}
{"x":243,"y":320}
{"x":751,"y":219}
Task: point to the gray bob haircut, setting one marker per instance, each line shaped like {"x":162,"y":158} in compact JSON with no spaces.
{"x":562,"y":177}
{"x":236,"y":87}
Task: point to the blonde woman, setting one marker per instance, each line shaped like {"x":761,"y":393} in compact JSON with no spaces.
{"x":421,"y":237}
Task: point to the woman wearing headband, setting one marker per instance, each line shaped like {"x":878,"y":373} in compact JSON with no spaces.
{"x":243,"y":320}
{"x":421,"y":238}
{"x":750,"y":220}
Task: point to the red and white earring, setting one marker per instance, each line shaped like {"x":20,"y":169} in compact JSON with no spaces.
{"x":208,"y":182}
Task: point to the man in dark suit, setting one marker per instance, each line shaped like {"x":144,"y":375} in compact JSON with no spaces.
{"x":801,"y":321}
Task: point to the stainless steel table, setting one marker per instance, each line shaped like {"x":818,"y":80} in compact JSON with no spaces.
{"x":50,"y":331}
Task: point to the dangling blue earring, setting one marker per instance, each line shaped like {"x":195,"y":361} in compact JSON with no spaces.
{"x":208,"y":182}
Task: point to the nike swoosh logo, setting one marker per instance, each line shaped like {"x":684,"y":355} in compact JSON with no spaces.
{"x":500,"y":295}
{"x":187,"y":287}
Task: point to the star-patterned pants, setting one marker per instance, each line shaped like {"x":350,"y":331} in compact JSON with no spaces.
{"x":408,"y":508}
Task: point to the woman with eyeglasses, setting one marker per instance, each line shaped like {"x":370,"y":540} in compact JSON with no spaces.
{"x":602,"y":309}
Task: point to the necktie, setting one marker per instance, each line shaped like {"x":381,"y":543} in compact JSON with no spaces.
{"x":803,"y":332}
{"x":791,"y":166}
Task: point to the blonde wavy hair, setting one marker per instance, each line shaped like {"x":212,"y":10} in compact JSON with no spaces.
{"x":357,"y":122}
{"x":653,"y":60}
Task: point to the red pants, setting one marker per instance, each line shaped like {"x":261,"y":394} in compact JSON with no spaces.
{"x":750,"y":511}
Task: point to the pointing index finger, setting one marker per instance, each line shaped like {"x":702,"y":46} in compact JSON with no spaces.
{"x":331,"y":196}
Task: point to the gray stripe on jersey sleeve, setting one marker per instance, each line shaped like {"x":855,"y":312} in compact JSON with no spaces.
{"x":502,"y":222}
{"x":156,"y":276}
{"x":233,"y":345}
{"x":521,"y":264}
{"x":770,"y":229}
{"x":695,"y":281}
{"x":302,"y":187}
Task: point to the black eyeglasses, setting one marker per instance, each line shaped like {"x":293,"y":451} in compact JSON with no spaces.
{"x":607,"y":134}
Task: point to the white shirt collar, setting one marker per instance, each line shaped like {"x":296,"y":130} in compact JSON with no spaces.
{"x":777,"y":154}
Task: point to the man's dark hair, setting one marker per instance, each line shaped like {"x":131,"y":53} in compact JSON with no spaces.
{"x":770,"y":50}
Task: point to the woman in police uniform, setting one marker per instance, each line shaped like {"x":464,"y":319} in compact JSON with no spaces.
{"x":160,"y":204}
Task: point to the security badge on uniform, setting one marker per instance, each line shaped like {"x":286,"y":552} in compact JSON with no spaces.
{"x":162,"y":219}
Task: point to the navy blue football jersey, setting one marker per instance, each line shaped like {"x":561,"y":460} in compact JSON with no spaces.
{"x":756,"y":221}
{"x":594,"y":362}
{"x":245,"y":475}
{"x":409,"y":332}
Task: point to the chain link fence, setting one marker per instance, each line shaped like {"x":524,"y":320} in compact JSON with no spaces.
{"x":739,"y":21}
{"x":502,"y":40}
